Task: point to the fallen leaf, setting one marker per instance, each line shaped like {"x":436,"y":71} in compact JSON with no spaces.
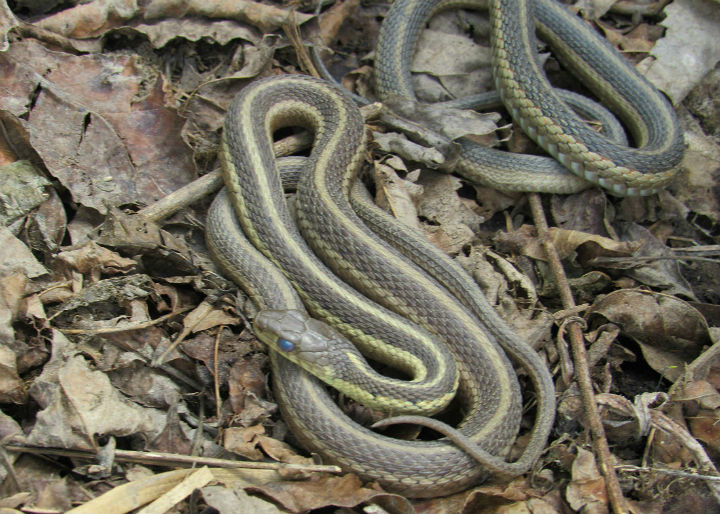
{"x":172,"y":438}
{"x":197,"y":479}
{"x":12,"y":291}
{"x":397,"y":194}
{"x":265,"y":17}
{"x":345,"y":491}
{"x":689,"y":49}
{"x":91,"y":257}
{"x":244,"y":441}
{"x":79,"y":404}
{"x":247,"y":386}
{"x":223,"y":32}
{"x":16,"y":256}
{"x":232,"y":501}
{"x":11,"y":386}
{"x":566,"y":242}
{"x":586,"y":490}
{"x":22,"y":188}
{"x":669,"y":331}
{"x":125,"y":142}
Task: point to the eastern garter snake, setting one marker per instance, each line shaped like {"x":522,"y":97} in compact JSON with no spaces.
{"x":489,"y":392}
{"x":535,"y":105}
{"x":488,"y":386}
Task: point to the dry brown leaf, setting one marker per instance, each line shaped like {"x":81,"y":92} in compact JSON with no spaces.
{"x":12,"y":290}
{"x":331,"y":20}
{"x":172,"y":438}
{"x":514,"y":497}
{"x":633,"y":41}
{"x":216,"y":318}
{"x":127,"y":497}
{"x":232,"y":501}
{"x":244,"y":441}
{"x":586,"y":491}
{"x":281,"y":452}
{"x":197,"y":479}
{"x":91,"y":257}
{"x":108,"y":113}
{"x":585,"y":211}
{"x":704,"y":427}
{"x":247,"y":390}
{"x":702,"y":171}
{"x":318,"y":492}
{"x":397,"y":194}
{"x":46,"y":226}
{"x":8,"y":21}
{"x":451,"y":220}
{"x":567,"y":242}
{"x":265,"y":17}
{"x":162,"y":32}
{"x":22,"y":189}
{"x":699,"y":392}
{"x":79,"y":404}
{"x":16,"y":256}
{"x":11,"y":386}
{"x":670,"y":331}
{"x":652,"y":264}
{"x":105,"y":303}
{"x":689,"y":49}
{"x":90,"y":19}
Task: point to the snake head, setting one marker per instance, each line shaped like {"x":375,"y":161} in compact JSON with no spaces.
{"x":310,"y":343}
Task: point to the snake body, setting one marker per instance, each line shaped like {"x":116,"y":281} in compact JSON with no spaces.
{"x":538,"y":109}
{"x":254,"y":205}
{"x":281,"y":272}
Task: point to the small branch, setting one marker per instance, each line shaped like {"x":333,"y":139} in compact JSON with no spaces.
{"x":582,"y":369}
{"x":672,"y":472}
{"x":212,"y":182}
{"x":172,"y":459}
{"x":123,"y":328}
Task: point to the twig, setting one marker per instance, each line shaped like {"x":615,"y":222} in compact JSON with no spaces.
{"x":212,"y":182}
{"x":216,"y":378}
{"x":172,"y":459}
{"x":673,"y":472}
{"x":582,"y":369}
{"x":123,"y":328}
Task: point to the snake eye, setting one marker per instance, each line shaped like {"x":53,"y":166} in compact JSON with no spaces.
{"x":285,"y":345}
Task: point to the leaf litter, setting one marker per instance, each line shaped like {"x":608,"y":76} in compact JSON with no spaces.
{"x":119,"y":337}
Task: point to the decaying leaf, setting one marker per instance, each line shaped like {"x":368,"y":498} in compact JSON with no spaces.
{"x":229,"y":501}
{"x":586,"y":492}
{"x":568,"y":243}
{"x":690,"y":48}
{"x":90,"y":19}
{"x":109,"y":112}
{"x":266,"y":17}
{"x":91,"y":257}
{"x":669,"y":331}
{"x":22,"y":188}
{"x":79,"y":404}
{"x":16,"y":256}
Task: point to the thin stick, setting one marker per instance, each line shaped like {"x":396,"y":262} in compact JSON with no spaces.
{"x":172,"y":459}
{"x":212,"y":182}
{"x":123,"y":328}
{"x":672,"y":472}
{"x":216,"y":372}
{"x":582,"y":369}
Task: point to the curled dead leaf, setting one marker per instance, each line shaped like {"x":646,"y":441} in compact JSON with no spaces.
{"x":670,"y":331}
